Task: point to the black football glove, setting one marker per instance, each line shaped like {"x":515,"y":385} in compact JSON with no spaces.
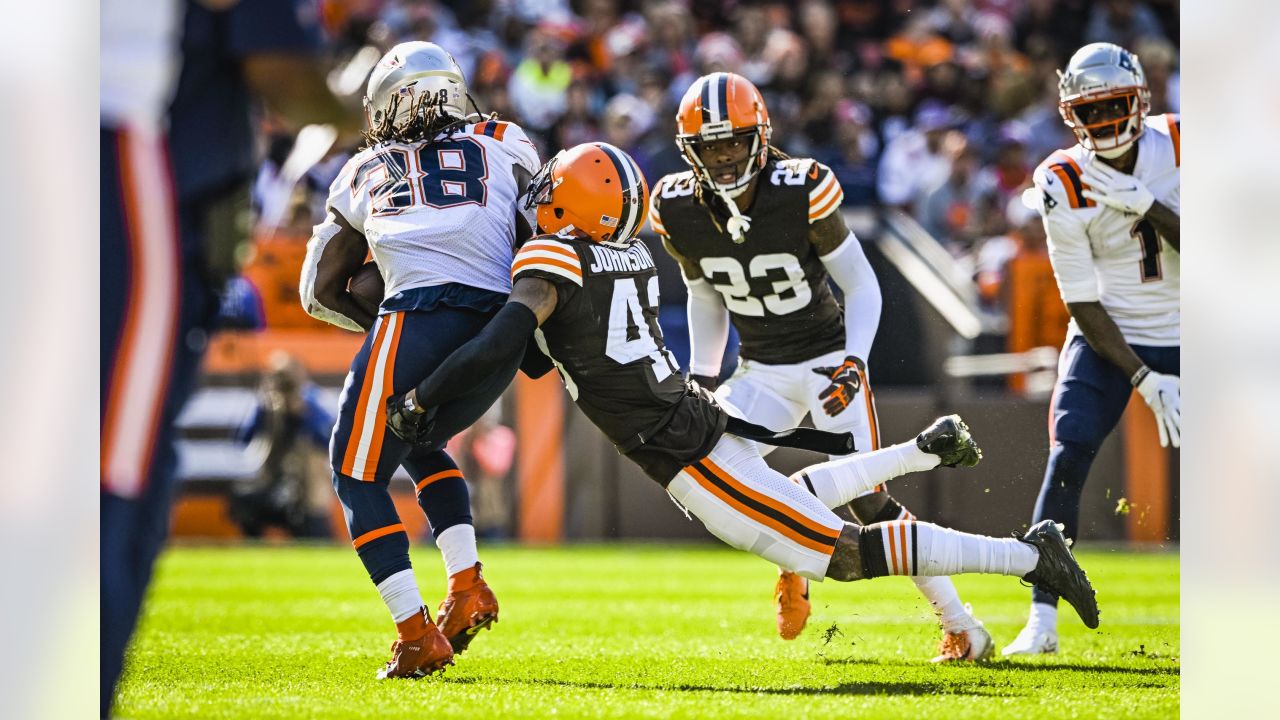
{"x":846,"y":382}
{"x":709,"y":382}
{"x":406,"y":424}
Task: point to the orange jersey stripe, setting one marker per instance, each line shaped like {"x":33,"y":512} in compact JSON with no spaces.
{"x":824,"y":193}
{"x":437,"y":476}
{"x":525,"y":262}
{"x":528,"y":250}
{"x":1072,"y":197}
{"x":831,"y":205}
{"x":790,"y":512}
{"x":498,"y":130}
{"x":757,"y":516}
{"x":362,"y":406}
{"x":1175,"y":134}
{"x":372,"y":535}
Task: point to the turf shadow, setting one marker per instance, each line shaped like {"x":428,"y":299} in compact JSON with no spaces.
{"x":848,"y":688}
{"x":1009,"y":666}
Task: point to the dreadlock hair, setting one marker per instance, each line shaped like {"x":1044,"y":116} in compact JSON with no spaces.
{"x":426,"y":121}
{"x":700,"y":196}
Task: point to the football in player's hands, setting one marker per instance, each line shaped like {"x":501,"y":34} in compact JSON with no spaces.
{"x":366,"y":287}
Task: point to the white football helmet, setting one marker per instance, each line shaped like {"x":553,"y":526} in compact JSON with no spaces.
{"x":410,"y":72}
{"x":1103,"y":98}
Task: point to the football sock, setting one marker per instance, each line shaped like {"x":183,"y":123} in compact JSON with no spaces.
{"x":400,"y":593}
{"x":1064,"y":479}
{"x":837,"y":482}
{"x":905,"y":547}
{"x":1044,"y":615}
{"x":941,"y":594}
{"x":458,"y":547}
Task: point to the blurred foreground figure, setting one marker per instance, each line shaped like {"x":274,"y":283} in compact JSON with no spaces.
{"x":1110,"y":206}
{"x":168,"y":233}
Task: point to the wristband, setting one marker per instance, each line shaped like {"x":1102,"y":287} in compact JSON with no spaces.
{"x":1140,"y":375}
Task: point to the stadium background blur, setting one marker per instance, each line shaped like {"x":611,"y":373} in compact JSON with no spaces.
{"x":931,"y":114}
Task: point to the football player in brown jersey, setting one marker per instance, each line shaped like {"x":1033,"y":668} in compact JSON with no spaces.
{"x":588,"y":295}
{"x":758,"y":235}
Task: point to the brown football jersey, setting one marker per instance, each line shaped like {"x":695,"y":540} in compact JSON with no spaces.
{"x":773,"y":284}
{"x":605,"y":340}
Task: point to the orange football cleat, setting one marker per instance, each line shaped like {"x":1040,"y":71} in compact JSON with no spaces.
{"x":469,"y":608}
{"x":419,"y":650}
{"x":791,"y":596}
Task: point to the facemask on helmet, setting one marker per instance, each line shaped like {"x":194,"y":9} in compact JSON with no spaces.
{"x":722,"y":107}
{"x":1103,"y":98}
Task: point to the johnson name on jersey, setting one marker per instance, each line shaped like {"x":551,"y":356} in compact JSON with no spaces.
{"x":605,"y":340}
{"x":774,"y":283}
{"x":1102,"y":255}
{"x":438,"y":212}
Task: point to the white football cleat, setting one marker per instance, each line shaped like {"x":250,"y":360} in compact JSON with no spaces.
{"x":972,"y":643}
{"x":1033,"y":640}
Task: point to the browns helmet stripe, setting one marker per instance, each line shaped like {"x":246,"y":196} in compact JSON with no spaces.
{"x":706,"y":98}
{"x":628,"y":175}
{"x":722,"y":95}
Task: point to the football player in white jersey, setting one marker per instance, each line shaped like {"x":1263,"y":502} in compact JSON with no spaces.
{"x":1110,"y":206}
{"x":434,"y":198}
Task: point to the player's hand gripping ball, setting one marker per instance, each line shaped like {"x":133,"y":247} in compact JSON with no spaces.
{"x":366,"y":287}
{"x":846,"y":381}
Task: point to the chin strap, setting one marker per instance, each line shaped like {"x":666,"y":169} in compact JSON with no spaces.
{"x":738,"y":224}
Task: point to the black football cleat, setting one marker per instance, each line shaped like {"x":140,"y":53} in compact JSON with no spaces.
{"x":1058,"y":572}
{"x":949,"y":438}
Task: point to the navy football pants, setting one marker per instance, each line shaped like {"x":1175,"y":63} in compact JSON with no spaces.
{"x":156,"y":309}
{"x":1088,"y":400}
{"x":401,"y":350}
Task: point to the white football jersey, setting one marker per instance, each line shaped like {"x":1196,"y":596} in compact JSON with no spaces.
{"x":1102,"y":255}
{"x":439,"y":212}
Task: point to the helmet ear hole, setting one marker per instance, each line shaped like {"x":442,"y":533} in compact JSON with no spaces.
{"x":559,"y":213}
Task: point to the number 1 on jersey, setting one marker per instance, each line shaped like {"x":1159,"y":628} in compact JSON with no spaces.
{"x":1146,"y":234}
{"x":632,"y":331}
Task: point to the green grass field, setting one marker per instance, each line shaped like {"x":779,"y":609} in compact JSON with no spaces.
{"x":632,"y":631}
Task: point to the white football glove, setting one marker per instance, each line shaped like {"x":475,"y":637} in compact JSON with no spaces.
{"x":1163,"y":394}
{"x":1116,"y":189}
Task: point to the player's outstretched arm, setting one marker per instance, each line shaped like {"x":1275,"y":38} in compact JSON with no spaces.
{"x":499,"y":346}
{"x":336,"y":250}
{"x":708,"y":322}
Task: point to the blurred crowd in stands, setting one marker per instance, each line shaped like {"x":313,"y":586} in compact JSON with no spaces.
{"x":941,"y":108}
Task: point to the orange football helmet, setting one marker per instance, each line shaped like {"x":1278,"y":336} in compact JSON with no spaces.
{"x":591,"y":190}
{"x":719,"y":106}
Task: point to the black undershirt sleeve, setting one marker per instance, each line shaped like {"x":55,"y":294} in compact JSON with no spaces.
{"x":498,"y":348}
